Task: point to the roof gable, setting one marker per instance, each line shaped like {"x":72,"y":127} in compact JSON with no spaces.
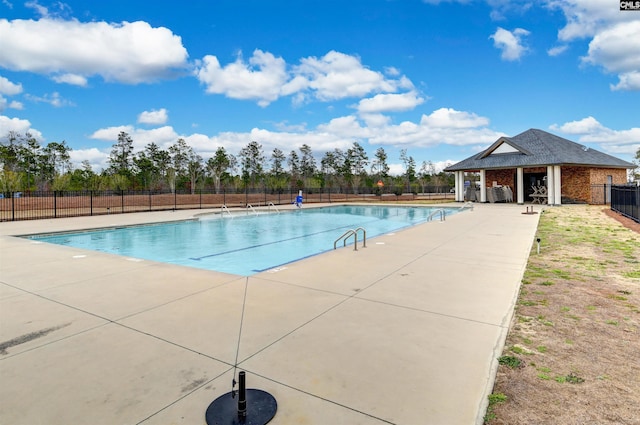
{"x":504,"y":146}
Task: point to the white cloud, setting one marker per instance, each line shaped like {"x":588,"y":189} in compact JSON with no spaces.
{"x":389,"y":103}
{"x":592,"y":131}
{"x":261,"y":79}
{"x":110,"y":133}
{"x":53,"y":99}
{"x":99,"y":160}
{"x":586,"y":18}
{"x":450,"y":118}
{"x":129,"y":52}
{"x":510,"y":43}
{"x":41,"y":10}
{"x":266,"y":78}
{"x":9,"y":88}
{"x":628,"y":81}
{"x":14,"y":104}
{"x":154,"y":116}
{"x":617,"y":50}
{"x":19,"y":126}
{"x":557,"y":50}
{"x":443,"y":126}
{"x":615,"y":37}
{"x":583,"y":126}
{"x":72,"y":79}
{"x":338,"y":76}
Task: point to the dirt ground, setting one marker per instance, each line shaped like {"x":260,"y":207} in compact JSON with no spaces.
{"x":572,"y":355}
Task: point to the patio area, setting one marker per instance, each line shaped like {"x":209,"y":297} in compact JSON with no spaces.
{"x":405,"y":331}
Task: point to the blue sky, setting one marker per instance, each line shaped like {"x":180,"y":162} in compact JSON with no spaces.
{"x":441,"y":79}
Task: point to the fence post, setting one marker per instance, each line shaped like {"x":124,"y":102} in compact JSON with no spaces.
{"x":13,"y":206}
{"x":55,"y":204}
{"x":200,"y":198}
{"x":175,"y":199}
{"x":91,"y":202}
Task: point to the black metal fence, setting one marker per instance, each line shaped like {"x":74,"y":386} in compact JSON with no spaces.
{"x":626,"y":201}
{"x":16,"y":206}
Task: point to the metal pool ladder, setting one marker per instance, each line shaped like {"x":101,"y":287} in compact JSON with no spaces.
{"x":467,"y":204}
{"x":274,"y":207}
{"x":352,"y":232}
{"x":250,"y":207}
{"x":440,"y":211}
{"x":224,"y":208}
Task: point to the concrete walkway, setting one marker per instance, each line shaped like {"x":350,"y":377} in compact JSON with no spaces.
{"x":406,"y":331}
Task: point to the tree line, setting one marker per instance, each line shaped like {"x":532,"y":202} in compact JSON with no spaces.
{"x":26,"y":165}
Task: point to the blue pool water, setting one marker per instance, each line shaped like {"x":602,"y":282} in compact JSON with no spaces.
{"x":245,"y":244}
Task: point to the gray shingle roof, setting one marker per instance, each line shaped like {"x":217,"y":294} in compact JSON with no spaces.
{"x":538,"y":148}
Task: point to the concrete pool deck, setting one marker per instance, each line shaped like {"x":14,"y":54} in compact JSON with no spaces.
{"x":406,"y":331}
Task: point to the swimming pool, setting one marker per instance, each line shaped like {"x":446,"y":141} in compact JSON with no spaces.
{"x":245,"y":244}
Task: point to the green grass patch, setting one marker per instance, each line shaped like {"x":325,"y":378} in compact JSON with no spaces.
{"x":494,"y":399}
{"x":563,"y":274}
{"x":510,"y":361}
{"x":520,"y":350}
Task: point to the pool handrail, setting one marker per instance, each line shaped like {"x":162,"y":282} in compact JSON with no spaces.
{"x":352,"y":232}
{"x":271,"y":204}
{"x":250,"y":207}
{"x":344,"y":238}
{"x":467,"y":204}
{"x":364,"y":236}
{"x":441,"y":211}
{"x":224,"y":208}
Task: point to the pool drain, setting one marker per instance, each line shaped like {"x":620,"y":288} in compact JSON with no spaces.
{"x":253,"y":407}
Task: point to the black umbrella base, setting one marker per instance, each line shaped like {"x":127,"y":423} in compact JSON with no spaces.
{"x":260,"y":409}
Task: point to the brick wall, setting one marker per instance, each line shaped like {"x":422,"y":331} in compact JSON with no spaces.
{"x":599,"y":175}
{"x":501,"y":177}
{"x":576,"y":181}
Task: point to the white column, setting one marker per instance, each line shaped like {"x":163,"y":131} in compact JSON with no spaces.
{"x":456,"y":176}
{"x":460,"y":186}
{"x":483,"y":186}
{"x":520,"y":178}
{"x":550,"y":185}
{"x":557,"y":185}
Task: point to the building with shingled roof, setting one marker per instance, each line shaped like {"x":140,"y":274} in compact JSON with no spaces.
{"x":540,"y":167}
